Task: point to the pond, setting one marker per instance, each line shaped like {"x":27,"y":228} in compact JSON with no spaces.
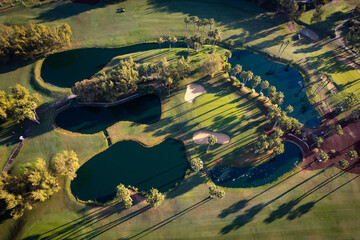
{"x":129,"y":163}
{"x":268,"y":172}
{"x":92,"y":119}
{"x":289,"y":82}
{"x":64,"y":69}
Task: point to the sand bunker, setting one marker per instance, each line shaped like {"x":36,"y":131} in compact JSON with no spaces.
{"x":201,"y":137}
{"x":193,"y":90}
{"x":310,"y":34}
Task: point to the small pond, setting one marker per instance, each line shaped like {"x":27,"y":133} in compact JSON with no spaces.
{"x":129,"y":163}
{"x":64,"y":69}
{"x":289,"y":82}
{"x":93,"y":119}
{"x":268,"y":172}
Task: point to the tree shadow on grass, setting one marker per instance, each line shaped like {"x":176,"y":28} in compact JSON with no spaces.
{"x":233,"y":208}
{"x":243,"y":219}
{"x":186,"y":185}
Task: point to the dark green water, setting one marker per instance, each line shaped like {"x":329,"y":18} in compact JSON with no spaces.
{"x":247,"y":177}
{"x":289,"y":82}
{"x":90,"y":119}
{"x":64,"y":69}
{"x":129,"y":163}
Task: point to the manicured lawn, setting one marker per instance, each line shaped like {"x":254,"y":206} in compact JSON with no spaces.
{"x":307,"y":205}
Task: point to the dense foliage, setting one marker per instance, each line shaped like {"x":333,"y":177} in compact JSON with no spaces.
{"x":37,"y":183}
{"x":18,"y":105}
{"x":352,"y":37}
{"x":155,"y":198}
{"x":123,"y":195}
{"x":32,"y":40}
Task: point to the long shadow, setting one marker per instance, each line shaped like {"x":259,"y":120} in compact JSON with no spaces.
{"x":169,"y":219}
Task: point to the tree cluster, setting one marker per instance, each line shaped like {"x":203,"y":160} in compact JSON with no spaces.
{"x":18,"y":105}
{"x":271,"y":142}
{"x":32,"y":40}
{"x":37,"y":182}
{"x":123,"y":195}
{"x":212,"y":64}
{"x":352,"y":38}
{"x":215,"y":191}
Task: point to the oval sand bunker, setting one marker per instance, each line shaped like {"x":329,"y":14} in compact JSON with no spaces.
{"x":193,"y":90}
{"x":201,"y":137}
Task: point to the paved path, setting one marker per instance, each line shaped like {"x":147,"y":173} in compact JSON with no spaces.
{"x":13,"y":156}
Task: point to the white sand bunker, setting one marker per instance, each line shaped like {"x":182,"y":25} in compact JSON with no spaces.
{"x":201,"y":137}
{"x":193,"y":90}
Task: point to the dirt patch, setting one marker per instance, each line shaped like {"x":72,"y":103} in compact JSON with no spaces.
{"x":310,"y":34}
{"x":201,"y":137}
{"x":342,"y":144}
{"x":290,"y":27}
{"x":193,"y":90}
{"x":136,"y":197}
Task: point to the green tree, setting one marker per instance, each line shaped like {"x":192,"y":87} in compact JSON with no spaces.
{"x":188,"y":42}
{"x":215,"y":191}
{"x":236,"y":70}
{"x":187,"y":20}
{"x":343,"y":163}
{"x":279,"y":149}
{"x":324,"y":156}
{"x":154,"y":198}
{"x":66,"y":164}
{"x":194,"y":20}
{"x":227,"y":67}
{"x":255,"y":82}
{"x":246,"y":76}
{"x":123,"y":195}
{"x":289,"y":109}
{"x":160,"y":40}
{"x":183,"y":66}
{"x":318,"y":141}
{"x":352,"y":154}
{"x":317,"y":15}
{"x":211,"y":22}
{"x":227,"y":55}
{"x":196,"y":164}
{"x":168,"y":82}
{"x":264,"y":85}
{"x":211,"y":64}
{"x":211,"y":141}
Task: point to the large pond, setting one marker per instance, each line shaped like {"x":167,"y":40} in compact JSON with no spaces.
{"x":93,"y":119}
{"x":289,"y":82}
{"x":268,"y":172}
{"x":129,"y":163}
{"x":64,"y":69}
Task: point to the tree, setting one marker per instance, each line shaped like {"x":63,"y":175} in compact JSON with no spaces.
{"x":183,"y":66}
{"x":246,"y":76}
{"x":343,"y":163}
{"x":123,"y":195}
{"x":227,"y":55}
{"x":66,"y":164}
{"x":264,"y":85}
{"x":204,"y":22}
{"x":338,"y":129}
{"x":160,"y":41}
{"x":194,"y":20}
{"x":231,"y":43}
{"x":168,"y":82}
{"x":279,"y":149}
{"x":173,"y":41}
{"x":170,"y":40}
{"x":188,"y":42}
{"x":318,"y":141}
{"x":187,"y":20}
{"x":211,"y":141}
{"x":154,"y":198}
{"x":211,"y":22}
{"x":196,"y":164}
{"x":22,"y":105}
{"x":352,"y":154}
{"x":271,"y":91}
{"x":351,"y":100}
{"x":255,"y":82}
{"x":236,"y":70}
{"x":211,"y":64}
{"x":215,"y":191}
{"x":289,"y":109}
{"x":324,"y":156}
{"x":227,"y":67}
{"x":317,"y":15}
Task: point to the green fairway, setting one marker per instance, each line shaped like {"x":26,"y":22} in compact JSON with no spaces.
{"x":301,"y":204}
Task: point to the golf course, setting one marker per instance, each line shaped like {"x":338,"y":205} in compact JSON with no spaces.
{"x":179,"y":119}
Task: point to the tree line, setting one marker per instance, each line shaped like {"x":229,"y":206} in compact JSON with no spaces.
{"x":32,"y":40}
{"x":352,"y":37}
{"x":128,"y":76}
{"x":37,"y":182}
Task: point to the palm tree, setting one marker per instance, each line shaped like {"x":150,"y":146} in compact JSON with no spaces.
{"x":199,"y":24}
{"x":216,"y":36}
{"x":173,"y":41}
{"x":188,"y":42}
{"x":271,"y":91}
{"x":204,"y":21}
{"x":169,"y":40}
{"x":264,"y":85}
{"x":211,"y":141}
{"x":168,"y":82}
{"x":160,"y":41}
{"x":255,"y":82}
{"x":187,"y":20}
{"x":194,"y":19}
{"x":227,"y":55}
{"x":211,"y":22}
{"x":236,"y":70}
{"x":246,"y":75}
